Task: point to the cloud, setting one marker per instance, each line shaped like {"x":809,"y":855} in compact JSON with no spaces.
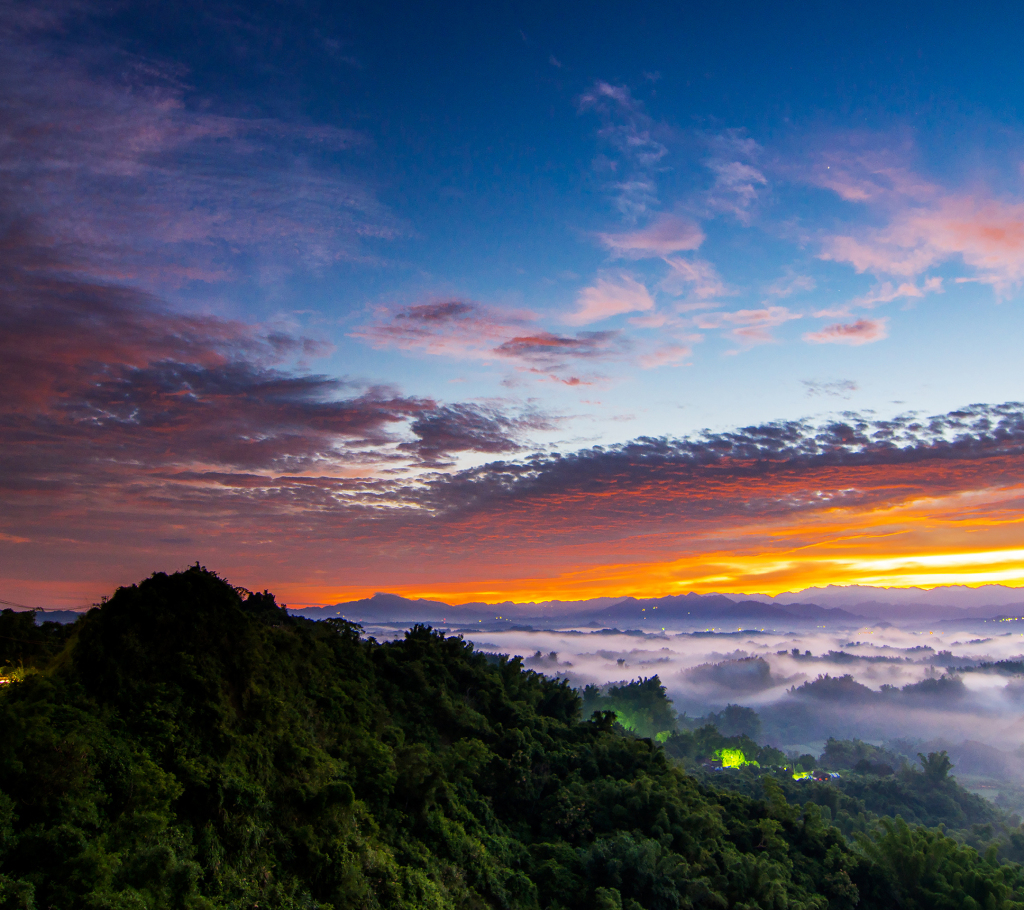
{"x":739,"y":179}
{"x":452,"y":328}
{"x":610,"y":297}
{"x":867,"y":174}
{"x":784,"y":468}
{"x":694,"y":277}
{"x":551,"y":351}
{"x":835,"y":388}
{"x":665,"y":355}
{"x":790,"y":284}
{"x":863,"y":331}
{"x":468,"y":330}
{"x":179,"y":427}
{"x":467,"y":428}
{"x":666,"y":234}
{"x":107,"y":385}
{"x":879,"y":255}
{"x":926,"y":225}
{"x":749,"y":327}
{"x":636,"y":140}
{"x":133,"y":179}
{"x":738,"y":182}
{"x":887,"y":292}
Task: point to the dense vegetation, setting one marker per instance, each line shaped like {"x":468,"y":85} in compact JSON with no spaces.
{"x":190,"y":745}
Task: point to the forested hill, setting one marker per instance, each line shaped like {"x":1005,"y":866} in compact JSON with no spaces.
{"x":190,"y":745}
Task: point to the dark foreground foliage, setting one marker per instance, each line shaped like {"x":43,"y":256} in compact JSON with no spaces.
{"x":192,"y":746}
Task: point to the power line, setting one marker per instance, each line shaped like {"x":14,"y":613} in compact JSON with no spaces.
{"x":11,"y":603}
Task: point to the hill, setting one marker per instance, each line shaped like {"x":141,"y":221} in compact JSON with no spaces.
{"x":190,"y":745}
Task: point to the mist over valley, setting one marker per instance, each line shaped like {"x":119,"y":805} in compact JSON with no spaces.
{"x":914,"y":670}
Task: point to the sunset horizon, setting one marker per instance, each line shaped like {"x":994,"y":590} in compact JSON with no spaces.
{"x":658,"y":302}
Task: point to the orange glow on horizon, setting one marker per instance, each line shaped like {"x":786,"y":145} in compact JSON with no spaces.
{"x":728,"y":574}
{"x":971,"y":539}
{"x":887,"y":526}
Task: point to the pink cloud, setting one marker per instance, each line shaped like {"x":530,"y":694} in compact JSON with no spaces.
{"x":863,"y":331}
{"x":666,"y":355}
{"x":548,"y":349}
{"x":887,"y":292}
{"x":879,"y":254}
{"x":694,"y":277}
{"x":739,"y":180}
{"x":610,"y":297}
{"x":749,"y":327}
{"x":668,"y":234}
{"x":466,"y":330}
{"x":926,"y":226}
{"x":869,"y":176}
{"x":650,"y":321}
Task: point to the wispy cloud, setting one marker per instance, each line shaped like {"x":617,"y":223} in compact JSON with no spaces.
{"x":926,"y":225}
{"x":861,"y":172}
{"x":456,"y":328}
{"x":738,"y":182}
{"x":636,"y":141}
{"x":552,"y":351}
{"x":886,"y":292}
{"x":863,"y":331}
{"x":666,"y":355}
{"x":748,"y":327}
{"x":694,"y":277}
{"x":790,"y":284}
{"x":106,"y":386}
{"x":831,"y":388}
{"x":666,"y":234}
{"x":135,"y":181}
{"x":608,"y":297}
{"x":469,"y":330}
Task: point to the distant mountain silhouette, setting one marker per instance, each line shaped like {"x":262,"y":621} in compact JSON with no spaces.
{"x":679,"y":610}
{"x":384,"y":607}
{"x":832,"y":605}
{"x":717,"y":608}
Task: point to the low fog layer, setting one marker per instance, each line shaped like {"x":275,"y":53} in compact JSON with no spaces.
{"x":937,"y":689}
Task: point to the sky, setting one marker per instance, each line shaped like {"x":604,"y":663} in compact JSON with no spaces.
{"x":510,"y":301}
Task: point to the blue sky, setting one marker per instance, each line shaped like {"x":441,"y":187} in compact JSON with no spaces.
{"x":492,"y":150}
{"x":390,"y":244}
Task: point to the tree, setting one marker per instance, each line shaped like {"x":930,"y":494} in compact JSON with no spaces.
{"x":937,"y":765}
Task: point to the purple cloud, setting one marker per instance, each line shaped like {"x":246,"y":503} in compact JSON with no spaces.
{"x":665,"y":235}
{"x":132,"y":181}
{"x":863,"y":331}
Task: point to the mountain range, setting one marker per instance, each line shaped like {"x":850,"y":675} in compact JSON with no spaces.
{"x":831,"y":604}
{"x":678,"y":610}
